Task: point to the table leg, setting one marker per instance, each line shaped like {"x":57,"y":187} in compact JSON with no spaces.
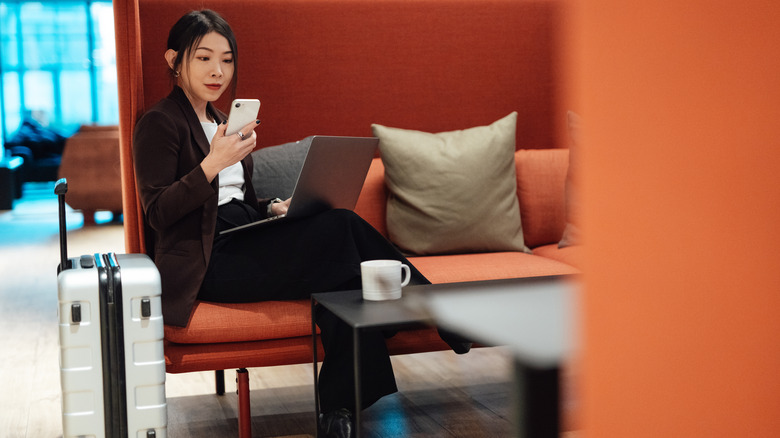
{"x":314,"y":367}
{"x":538,"y":401}
{"x":358,"y":392}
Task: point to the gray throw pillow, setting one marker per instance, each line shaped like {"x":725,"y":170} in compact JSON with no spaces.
{"x":276,"y":168}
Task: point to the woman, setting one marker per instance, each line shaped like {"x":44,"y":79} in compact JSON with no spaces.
{"x":195,"y":181}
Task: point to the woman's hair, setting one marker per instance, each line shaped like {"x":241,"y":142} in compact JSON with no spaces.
{"x":191,"y":28}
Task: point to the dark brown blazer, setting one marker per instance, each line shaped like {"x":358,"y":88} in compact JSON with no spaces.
{"x":180,"y":205}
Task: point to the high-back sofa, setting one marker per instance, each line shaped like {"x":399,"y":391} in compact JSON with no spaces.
{"x":334,"y":67}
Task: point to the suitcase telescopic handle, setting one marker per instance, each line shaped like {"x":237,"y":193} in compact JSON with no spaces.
{"x":60,"y":188}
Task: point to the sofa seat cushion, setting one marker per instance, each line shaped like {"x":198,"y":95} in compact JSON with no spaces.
{"x":186,"y":358}
{"x":227,"y":322}
{"x":571,"y":255}
{"x":487,"y":266}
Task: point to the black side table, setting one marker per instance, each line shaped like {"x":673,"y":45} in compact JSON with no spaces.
{"x":361,"y":315}
{"x":10,"y":183}
{"x":532,"y":317}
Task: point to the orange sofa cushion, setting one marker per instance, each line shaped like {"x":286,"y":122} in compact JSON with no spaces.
{"x":487,"y":266}
{"x":184,"y":358}
{"x":372,"y":203}
{"x":226,"y":322}
{"x":541,"y":181}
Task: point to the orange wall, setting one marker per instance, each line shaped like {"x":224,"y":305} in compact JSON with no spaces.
{"x":681,"y":107}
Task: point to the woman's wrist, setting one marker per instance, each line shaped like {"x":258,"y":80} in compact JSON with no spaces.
{"x":210,"y":170}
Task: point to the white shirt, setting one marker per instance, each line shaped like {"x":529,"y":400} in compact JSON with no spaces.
{"x":231,"y":178}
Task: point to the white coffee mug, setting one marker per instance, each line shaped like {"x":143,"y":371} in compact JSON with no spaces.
{"x":383,"y":279}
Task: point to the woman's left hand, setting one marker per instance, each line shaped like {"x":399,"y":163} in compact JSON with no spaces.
{"x":280,"y":207}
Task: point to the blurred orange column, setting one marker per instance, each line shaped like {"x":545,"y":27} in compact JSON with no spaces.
{"x":681,"y":177}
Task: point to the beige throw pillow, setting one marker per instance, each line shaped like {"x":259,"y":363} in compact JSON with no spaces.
{"x":452,"y":192}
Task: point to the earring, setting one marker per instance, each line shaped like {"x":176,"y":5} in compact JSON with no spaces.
{"x":175,"y":74}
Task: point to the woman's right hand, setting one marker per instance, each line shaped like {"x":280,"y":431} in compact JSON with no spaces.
{"x":227,"y":150}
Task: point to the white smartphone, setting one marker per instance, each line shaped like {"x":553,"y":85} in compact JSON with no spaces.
{"x":242,"y":112}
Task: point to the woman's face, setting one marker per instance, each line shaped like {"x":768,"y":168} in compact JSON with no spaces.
{"x":209,"y":69}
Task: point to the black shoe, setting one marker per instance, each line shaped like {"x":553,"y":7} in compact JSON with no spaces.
{"x":337,"y":424}
{"x":457,"y":343}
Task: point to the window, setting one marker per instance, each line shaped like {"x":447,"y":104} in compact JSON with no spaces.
{"x":58,"y":64}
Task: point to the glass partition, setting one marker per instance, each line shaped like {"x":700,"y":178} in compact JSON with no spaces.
{"x":57,"y":64}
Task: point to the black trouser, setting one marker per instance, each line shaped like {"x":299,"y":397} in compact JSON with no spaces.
{"x":292,"y":260}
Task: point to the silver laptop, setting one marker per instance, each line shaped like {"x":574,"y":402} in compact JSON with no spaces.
{"x":332,"y":176}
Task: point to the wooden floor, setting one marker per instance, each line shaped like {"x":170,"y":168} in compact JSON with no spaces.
{"x":441,"y":394}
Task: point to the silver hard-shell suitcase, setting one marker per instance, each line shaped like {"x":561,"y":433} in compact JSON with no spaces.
{"x":112,"y":368}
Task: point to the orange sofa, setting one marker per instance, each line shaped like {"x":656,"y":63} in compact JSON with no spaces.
{"x":334,"y":67}
{"x":279,"y":333}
